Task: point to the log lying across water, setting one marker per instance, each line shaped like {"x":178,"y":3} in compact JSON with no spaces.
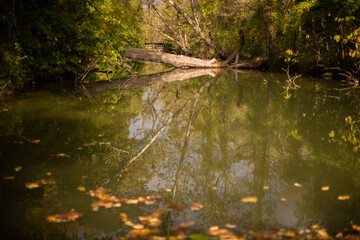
{"x":178,"y":61}
{"x":181,"y":61}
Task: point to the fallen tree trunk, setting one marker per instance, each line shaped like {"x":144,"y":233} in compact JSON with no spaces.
{"x":178,"y":61}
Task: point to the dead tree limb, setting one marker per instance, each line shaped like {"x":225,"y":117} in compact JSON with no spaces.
{"x":196,"y":28}
{"x":179,"y":61}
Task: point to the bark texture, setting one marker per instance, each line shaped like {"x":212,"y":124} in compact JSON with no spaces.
{"x":178,"y":61}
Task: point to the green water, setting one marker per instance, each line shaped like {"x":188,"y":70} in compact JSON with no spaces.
{"x":237,"y":135}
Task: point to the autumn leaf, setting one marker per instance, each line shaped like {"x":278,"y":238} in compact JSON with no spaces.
{"x":283,"y":199}
{"x":249,"y":199}
{"x":55,"y":155}
{"x":168,"y":190}
{"x":81,"y":189}
{"x":64,"y":217}
{"x":175,"y":207}
{"x":32,"y":185}
{"x":9,"y":178}
{"x":36,"y":141}
{"x":141,"y":232}
{"x":297,"y":184}
{"x":182,"y":227}
{"x":132,"y":201}
{"x":325,"y":188}
{"x":89,"y":144}
{"x":195,"y":206}
{"x":104,"y":203}
{"x":18,"y":168}
{"x":265,"y":187}
{"x":343,"y":197}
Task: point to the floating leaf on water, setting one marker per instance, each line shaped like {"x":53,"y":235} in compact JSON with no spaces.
{"x":132,"y":201}
{"x":168,"y":190}
{"x":141,"y":232}
{"x":34,"y":141}
{"x":18,"y":168}
{"x":138,"y":226}
{"x":325,"y":188}
{"x":265,"y":187}
{"x":322,"y":234}
{"x":222,"y":233}
{"x":343,"y":197}
{"x":81,"y":189}
{"x":230,"y":225}
{"x":175,"y":207}
{"x":249,"y":199}
{"x":195,"y":206}
{"x":182,"y":227}
{"x":283,"y":199}
{"x":32,"y":185}
{"x":104,"y":203}
{"x":356,"y":227}
{"x":64,"y":217}
{"x":297,"y":184}
{"x":287,"y":96}
{"x":89,"y":144}
{"x":37,"y":184}
{"x":9,"y":178}
{"x":290,"y":234}
{"x":55,"y":155}
{"x":315,"y":226}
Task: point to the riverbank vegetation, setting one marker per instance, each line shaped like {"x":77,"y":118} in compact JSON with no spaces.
{"x":65,"y":40}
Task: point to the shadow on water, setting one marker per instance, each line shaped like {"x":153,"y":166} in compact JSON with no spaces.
{"x":215,"y":139}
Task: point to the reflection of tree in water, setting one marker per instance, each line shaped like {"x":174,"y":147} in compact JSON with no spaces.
{"x":227,"y":142}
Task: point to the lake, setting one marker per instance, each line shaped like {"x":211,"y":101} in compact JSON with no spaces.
{"x":228,"y":149}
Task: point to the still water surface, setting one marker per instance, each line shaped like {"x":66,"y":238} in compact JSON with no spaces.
{"x":211,"y":140}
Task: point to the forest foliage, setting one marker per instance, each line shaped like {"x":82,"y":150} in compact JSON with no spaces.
{"x":65,"y":39}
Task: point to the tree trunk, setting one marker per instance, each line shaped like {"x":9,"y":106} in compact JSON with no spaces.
{"x":178,"y":61}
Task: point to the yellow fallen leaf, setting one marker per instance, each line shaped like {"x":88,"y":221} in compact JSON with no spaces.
{"x":265,"y":187}
{"x":287,"y":96}
{"x":35,"y":141}
{"x":32,"y":185}
{"x":297,"y":184}
{"x":230,"y":225}
{"x":356,"y":227}
{"x":290,"y":234}
{"x":249,"y":199}
{"x":9,"y":178}
{"x":81,"y":189}
{"x":18,"y":168}
{"x":168,"y":190}
{"x":325,"y":188}
{"x":132,"y":201}
{"x":315,"y":226}
{"x":343,"y":197}
{"x":283,"y":199}
{"x":48,"y":173}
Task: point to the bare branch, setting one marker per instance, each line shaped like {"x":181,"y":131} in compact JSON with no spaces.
{"x":191,"y":22}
